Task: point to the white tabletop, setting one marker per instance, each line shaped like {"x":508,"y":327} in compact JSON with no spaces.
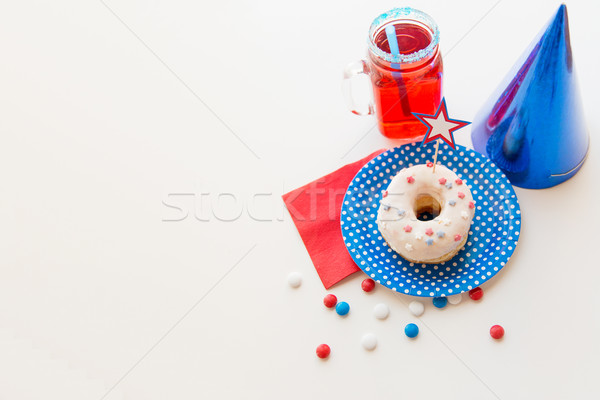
{"x":144,"y":245}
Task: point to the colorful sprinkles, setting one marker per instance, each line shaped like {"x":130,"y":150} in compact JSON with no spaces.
{"x":428,"y":233}
{"x":387,"y":207}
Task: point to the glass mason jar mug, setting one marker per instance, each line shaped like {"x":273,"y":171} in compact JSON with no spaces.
{"x":405,"y":82}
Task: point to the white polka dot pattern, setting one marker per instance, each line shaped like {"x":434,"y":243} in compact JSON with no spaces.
{"x":494,"y":231}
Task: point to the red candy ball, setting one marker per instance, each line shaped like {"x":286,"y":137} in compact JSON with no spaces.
{"x":476,"y":294}
{"x":330,"y":301}
{"x":323,"y":351}
{"x":497,"y":332}
{"x":368,"y":285}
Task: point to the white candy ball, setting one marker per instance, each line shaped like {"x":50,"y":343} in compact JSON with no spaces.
{"x":369,"y":341}
{"x":416,"y":308}
{"x":295,"y":279}
{"x":381,"y":311}
{"x":455,"y":298}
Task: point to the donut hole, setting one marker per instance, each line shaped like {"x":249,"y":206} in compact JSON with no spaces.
{"x":427,"y":207}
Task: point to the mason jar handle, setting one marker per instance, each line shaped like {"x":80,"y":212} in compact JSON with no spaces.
{"x":352,"y":70}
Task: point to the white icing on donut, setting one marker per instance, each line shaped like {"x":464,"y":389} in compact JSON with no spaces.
{"x":426,"y":241}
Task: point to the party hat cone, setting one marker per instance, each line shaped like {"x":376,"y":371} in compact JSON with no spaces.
{"x":533,"y":127}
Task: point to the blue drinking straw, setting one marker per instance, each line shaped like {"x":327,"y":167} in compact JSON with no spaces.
{"x":390,"y":32}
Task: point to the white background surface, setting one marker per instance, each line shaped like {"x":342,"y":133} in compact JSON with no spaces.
{"x":104,"y":114}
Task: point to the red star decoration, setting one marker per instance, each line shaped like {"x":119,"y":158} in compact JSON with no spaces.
{"x":440,"y":127}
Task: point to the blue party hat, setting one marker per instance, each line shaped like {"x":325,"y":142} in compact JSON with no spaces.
{"x":533,"y":127}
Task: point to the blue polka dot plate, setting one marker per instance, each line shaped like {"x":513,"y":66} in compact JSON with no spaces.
{"x":492,"y":239}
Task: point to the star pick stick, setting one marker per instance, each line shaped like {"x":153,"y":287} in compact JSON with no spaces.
{"x":437,"y":147}
{"x":440,"y":126}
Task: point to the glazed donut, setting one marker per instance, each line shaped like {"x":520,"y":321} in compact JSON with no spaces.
{"x":418,"y":191}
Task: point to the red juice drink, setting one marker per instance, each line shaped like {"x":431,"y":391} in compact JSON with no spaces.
{"x":403,"y":83}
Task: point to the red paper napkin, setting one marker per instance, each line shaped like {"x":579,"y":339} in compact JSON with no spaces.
{"x":315,"y":209}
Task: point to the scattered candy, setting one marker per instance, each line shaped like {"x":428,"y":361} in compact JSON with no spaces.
{"x":429,"y":242}
{"x":384,"y":194}
{"x":441,"y":234}
{"x":411,"y":330}
{"x":367,"y":285}
{"x":471,"y":204}
{"x":461,"y":195}
{"x":407,"y":228}
{"x":442,"y":181}
{"x":458,"y":182}
{"x":429,"y":231}
{"x":295,"y":279}
{"x":497,"y":332}
{"x":369,"y":341}
{"x":323,"y":351}
{"x":342,"y":308}
{"x":381,"y":311}
{"x":416,"y":308}
{"x":476,"y":294}
{"x":452,"y":202}
{"x":449,"y":185}
{"x":455,"y":299}
{"x":401,"y":213}
{"x":440,"y":302}
{"x":429,"y":164}
{"x":464,"y":214}
{"x":330,"y":301}
{"x":410,"y":179}
{"x":457,"y":237}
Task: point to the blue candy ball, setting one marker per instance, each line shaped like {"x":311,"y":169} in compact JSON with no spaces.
{"x":342,"y":308}
{"x":440,"y":302}
{"x":411,"y":330}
